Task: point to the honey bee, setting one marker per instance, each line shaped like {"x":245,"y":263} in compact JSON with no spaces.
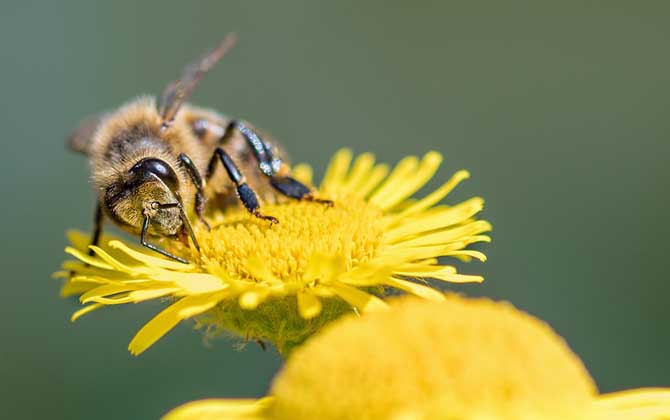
{"x":152,"y":166}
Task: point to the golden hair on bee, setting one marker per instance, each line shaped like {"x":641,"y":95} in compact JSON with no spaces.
{"x":152,"y":166}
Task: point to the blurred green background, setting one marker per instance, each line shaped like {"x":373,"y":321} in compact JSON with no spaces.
{"x":559,"y":109}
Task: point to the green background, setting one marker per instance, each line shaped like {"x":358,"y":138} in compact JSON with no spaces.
{"x":559,"y":110}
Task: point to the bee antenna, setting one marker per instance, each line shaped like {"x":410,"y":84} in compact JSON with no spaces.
{"x":178,"y":91}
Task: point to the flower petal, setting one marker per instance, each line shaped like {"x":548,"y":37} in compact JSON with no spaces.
{"x":303,"y":173}
{"x":150,"y":259}
{"x":400,"y":174}
{"x":371,"y":182}
{"x":166,"y":320}
{"x":363,"y":301}
{"x":440,"y":220}
{"x":215,"y":409}
{"x":336,"y":172}
{"x":435,"y":197}
{"x":359,"y":172}
{"x":85,"y":258}
{"x":105,"y":291}
{"x":415,"y":289}
{"x":425,"y":171}
{"x":86,"y":309}
{"x":634,"y":404}
{"x":309,"y":305}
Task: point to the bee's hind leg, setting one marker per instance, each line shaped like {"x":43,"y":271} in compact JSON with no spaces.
{"x":272,"y":166}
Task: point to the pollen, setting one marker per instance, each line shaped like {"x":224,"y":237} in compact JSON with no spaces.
{"x":350,"y":229}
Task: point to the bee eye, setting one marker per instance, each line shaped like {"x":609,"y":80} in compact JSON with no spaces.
{"x":157,"y":167}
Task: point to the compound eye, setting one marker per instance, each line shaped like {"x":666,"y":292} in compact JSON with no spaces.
{"x":157,"y":167}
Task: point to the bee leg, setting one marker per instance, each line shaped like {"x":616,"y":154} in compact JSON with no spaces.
{"x":143,"y":241}
{"x":293,"y":188}
{"x":272,"y":167}
{"x":194,"y":174}
{"x":97,"y":228}
{"x":244,"y":191}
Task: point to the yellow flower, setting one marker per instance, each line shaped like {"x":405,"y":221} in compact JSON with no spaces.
{"x":282,"y":283}
{"x":459,"y":359}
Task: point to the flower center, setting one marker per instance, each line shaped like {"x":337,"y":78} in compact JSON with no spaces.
{"x":350,"y":230}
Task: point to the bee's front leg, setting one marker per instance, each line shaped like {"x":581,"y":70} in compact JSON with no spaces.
{"x":194,"y":174}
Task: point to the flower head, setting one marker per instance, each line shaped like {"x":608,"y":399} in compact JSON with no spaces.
{"x":281,"y":283}
{"x":465,"y":359}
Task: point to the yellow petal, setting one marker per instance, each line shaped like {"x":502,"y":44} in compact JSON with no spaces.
{"x":303,"y":173}
{"x":363,"y":301}
{"x":137,"y":296}
{"x":252,"y":298}
{"x":309,"y":305}
{"x":83,"y":257}
{"x":368,"y":184}
{"x":415,"y":289}
{"x":220,"y":409}
{"x":116,"y":264}
{"x":359,"y":172}
{"x":145,"y":258}
{"x":450,"y":277}
{"x":105,"y":291}
{"x":193,"y":283}
{"x":83,"y":311}
{"x":79,"y":240}
{"x":437,"y":195}
{"x":336,"y":172}
{"x":440,"y":220}
{"x":72,"y":288}
{"x":467,"y":252}
{"x":169,"y":317}
{"x":634,"y":404}
{"x":260,"y":270}
{"x":398,"y":176}
{"x":323,"y":268}
{"x":425,"y":171}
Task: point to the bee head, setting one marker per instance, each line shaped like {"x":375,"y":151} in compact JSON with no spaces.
{"x":149,"y":188}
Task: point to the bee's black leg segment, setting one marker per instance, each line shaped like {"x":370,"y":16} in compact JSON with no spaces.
{"x":244,"y":191}
{"x":194,"y":174}
{"x":290,"y":187}
{"x":97,"y":228}
{"x":266,"y":162}
{"x":143,"y":241}
{"x":271,"y":166}
{"x":293,"y":188}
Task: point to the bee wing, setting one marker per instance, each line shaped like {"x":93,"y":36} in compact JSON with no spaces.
{"x":81,"y":138}
{"x":176,"y":93}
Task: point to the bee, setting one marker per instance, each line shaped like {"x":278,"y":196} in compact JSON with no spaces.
{"x":152,"y":166}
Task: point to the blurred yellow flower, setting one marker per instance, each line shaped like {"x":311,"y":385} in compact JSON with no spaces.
{"x":459,"y":359}
{"x":282,"y":283}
